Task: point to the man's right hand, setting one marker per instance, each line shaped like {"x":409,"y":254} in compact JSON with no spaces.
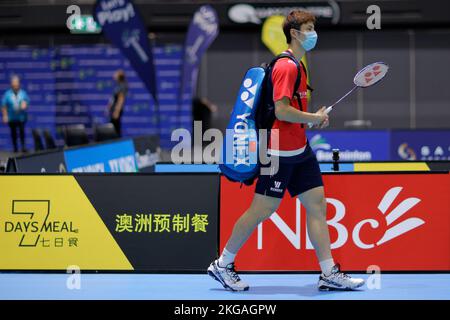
{"x":5,"y":118}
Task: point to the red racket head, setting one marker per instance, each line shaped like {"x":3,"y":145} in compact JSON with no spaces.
{"x":371,"y":74}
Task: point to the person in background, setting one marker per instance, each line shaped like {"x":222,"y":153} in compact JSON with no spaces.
{"x":15,"y":103}
{"x":202,"y":110}
{"x":117,"y":102}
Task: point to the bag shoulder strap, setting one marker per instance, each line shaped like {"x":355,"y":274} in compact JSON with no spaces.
{"x":287,"y":54}
{"x":307,"y":85}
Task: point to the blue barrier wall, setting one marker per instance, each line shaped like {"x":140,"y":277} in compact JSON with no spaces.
{"x":109,"y":157}
{"x":381,"y":145}
{"x":371,"y":145}
{"x":420,"y":145}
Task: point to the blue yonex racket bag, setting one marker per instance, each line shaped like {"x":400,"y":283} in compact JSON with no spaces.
{"x":240,"y":146}
{"x":254,"y":109}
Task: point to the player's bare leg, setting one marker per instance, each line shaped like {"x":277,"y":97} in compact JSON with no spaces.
{"x":316,"y":209}
{"x":261,"y":208}
{"x":222,"y":269}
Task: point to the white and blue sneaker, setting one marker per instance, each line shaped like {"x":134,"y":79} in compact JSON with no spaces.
{"x":227,"y":276}
{"x":338,"y":280}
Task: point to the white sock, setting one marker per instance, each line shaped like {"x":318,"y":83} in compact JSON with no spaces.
{"x":226,"y":258}
{"x":326,"y":266}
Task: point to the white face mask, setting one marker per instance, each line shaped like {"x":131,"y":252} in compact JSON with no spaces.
{"x":310,"y":39}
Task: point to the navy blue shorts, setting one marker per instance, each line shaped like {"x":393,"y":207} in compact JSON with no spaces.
{"x":295,"y":177}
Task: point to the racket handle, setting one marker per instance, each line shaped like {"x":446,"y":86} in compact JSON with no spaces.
{"x":327,"y":111}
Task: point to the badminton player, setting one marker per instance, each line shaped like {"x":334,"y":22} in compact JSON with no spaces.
{"x":298,"y":172}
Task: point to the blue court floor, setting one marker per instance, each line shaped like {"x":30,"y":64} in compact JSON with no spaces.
{"x":192,"y":287}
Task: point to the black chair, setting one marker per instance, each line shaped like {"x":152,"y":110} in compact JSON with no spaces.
{"x":37,"y":138}
{"x":49,"y":141}
{"x":75,"y":135}
{"x":105,"y":132}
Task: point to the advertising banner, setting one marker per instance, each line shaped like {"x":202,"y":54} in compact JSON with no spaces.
{"x":371,"y":145}
{"x":326,"y":12}
{"x":420,"y":145}
{"x":202,"y":31}
{"x":121,"y":23}
{"x":49,"y":162}
{"x":109,"y":222}
{"x":105,"y":157}
{"x":398,"y":222}
{"x":147,"y":152}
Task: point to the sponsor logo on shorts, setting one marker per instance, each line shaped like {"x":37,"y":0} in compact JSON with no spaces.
{"x":277,"y":185}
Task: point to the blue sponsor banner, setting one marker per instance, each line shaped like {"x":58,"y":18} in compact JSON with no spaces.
{"x":121,"y":23}
{"x":371,"y":145}
{"x":108,"y":157}
{"x":420,"y":145}
{"x":202,"y":31}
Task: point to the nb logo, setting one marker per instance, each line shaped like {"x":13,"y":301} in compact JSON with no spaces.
{"x":277,"y":184}
{"x":248,"y":96}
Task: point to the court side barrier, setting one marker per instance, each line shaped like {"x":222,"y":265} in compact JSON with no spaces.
{"x":138,"y":154}
{"x":169,"y":222}
{"x":381,"y":145}
{"x":109,"y":222}
{"x":385,"y":221}
{"x":374,"y":166}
